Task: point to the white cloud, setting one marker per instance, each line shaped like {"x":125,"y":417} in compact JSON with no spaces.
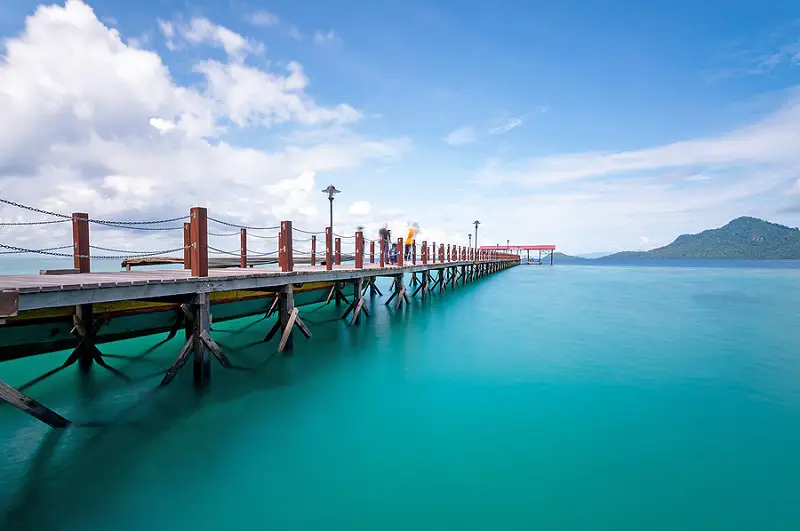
{"x":506,"y":126}
{"x":326,"y":37}
{"x":772,"y":140}
{"x":161,"y":124}
{"x":90,"y":113}
{"x":295,"y":33}
{"x":461,"y":136}
{"x":360,"y":208}
{"x":263,"y":18}
{"x":251,"y":96}
{"x":200,"y":30}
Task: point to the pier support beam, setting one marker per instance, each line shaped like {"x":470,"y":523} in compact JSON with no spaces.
{"x":357,"y":306}
{"x":399,"y":292}
{"x":32,"y":407}
{"x":198,"y":343}
{"x":288,"y":318}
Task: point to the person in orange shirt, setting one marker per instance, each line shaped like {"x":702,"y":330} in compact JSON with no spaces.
{"x":411,"y":239}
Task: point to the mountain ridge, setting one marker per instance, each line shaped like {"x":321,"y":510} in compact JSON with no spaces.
{"x":744,"y":238}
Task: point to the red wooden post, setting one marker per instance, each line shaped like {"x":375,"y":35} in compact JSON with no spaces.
{"x":314,"y":250}
{"x":449,"y":254}
{"x":328,"y":248}
{"x":434,"y":252}
{"x":382,"y":258}
{"x":80,"y":242}
{"x":414,"y":253}
{"x":372,"y":252}
{"x":243,"y":248}
{"x":187,"y":245}
{"x":359,"y":250}
{"x":400,"y":252}
{"x":424,"y":253}
{"x":441,"y":253}
{"x":338,"y":251}
{"x":285,"y":251}
{"x":199,"y":229}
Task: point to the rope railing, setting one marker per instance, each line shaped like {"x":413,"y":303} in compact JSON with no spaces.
{"x":240,"y":226}
{"x":330,"y":249}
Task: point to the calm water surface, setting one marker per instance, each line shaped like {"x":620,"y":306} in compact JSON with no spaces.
{"x":568,"y":398}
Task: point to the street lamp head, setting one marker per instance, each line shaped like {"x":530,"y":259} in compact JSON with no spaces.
{"x":331,"y":191}
{"x":476,"y":223}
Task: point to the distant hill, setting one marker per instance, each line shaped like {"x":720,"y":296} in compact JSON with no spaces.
{"x":743,"y":238}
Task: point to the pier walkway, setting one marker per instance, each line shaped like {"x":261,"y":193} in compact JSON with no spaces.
{"x":79,"y":310}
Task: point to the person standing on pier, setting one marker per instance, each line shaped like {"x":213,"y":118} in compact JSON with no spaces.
{"x":385,"y":236}
{"x":411,"y":239}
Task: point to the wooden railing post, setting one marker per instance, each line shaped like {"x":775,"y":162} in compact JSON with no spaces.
{"x":187,"y":245}
{"x":449,"y":255}
{"x":441,"y":253}
{"x":372,"y":252}
{"x":400,"y":252}
{"x":199,"y":229}
{"x":359,"y":250}
{"x":382,"y":257}
{"x":338,"y":251}
{"x":314,"y":250}
{"x":243,"y":248}
{"x":433,"y":247}
{"x":285,"y":251}
{"x":328,"y":248}
{"x":414,"y":253}
{"x":424,"y":253}
{"x":80,"y":242}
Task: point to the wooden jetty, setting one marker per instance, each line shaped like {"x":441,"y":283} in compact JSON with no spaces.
{"x":79,"y":310}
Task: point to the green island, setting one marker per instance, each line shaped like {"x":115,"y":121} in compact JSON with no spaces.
{"x":743,"y":238}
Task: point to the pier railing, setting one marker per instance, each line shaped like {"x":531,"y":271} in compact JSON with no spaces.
{"x":294,"y":246}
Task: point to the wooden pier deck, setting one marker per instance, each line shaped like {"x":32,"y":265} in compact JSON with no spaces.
{"x":79,"y":309}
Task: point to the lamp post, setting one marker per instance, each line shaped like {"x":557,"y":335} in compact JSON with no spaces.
{"x":470,"y":242}
{"x":331,"y":191}
{"x":476,"y":222}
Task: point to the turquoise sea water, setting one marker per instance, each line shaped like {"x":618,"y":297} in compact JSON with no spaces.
{"x":563,"y":398}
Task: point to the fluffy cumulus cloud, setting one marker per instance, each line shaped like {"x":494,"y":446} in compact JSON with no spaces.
{"x":93,"y":124}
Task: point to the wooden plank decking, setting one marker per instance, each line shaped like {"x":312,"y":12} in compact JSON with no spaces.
{"x":28,"y":292}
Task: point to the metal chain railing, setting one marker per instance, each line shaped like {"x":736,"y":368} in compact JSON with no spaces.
{"x":47,"y":252}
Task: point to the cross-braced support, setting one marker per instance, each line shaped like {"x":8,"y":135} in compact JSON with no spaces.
{"x":357,"y":306}
{"x":198,"y":343}
{"x":85,"y":328}
{"x":399,"y":292}
{"x":423,"y":285}
{"x":288,"y":318}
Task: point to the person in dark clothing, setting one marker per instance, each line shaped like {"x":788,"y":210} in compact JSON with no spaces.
{"x":385,"y":236}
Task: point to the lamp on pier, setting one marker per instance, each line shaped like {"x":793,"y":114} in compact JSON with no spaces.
{"x":331,"y":191}
{"x":476,"y":223}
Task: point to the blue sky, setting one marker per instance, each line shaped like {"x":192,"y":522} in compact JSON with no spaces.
{"x":594,"y":127}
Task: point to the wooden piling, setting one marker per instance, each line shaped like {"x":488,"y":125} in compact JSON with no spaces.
{"x":400,"y":252}
{"x":199,"y":231}
{"x":372,"y":252}
{"x":187,"y":245}
{"x":285,"y":248}
{"x":338,"y":259}
{"x":243,"y":248}
{"x":80,"y":242}
{"x":202,"y":354}
{"x":382,"y":258}
{"x":359,"y":250}
{"x":425,"y":253}
{"x":287,"y":318}
{"x":328,"y":248}
{"x":313,"y":250}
